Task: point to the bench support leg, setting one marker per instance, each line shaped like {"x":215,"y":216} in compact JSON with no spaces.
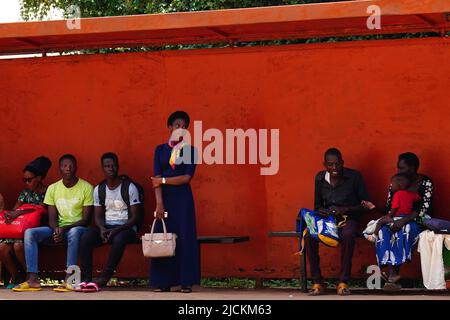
{"x":303,"y":275}
{"x":259,"y":283}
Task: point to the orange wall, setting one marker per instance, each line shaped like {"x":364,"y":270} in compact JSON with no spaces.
{"x":372,"y":100}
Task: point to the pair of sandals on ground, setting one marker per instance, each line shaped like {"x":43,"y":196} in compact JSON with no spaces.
{"x":319,"y":289}
{"x":392,"y":284}
{"x":84,"y":287}
{"x":65,"y":287}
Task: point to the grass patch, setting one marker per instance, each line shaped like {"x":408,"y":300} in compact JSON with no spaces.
{"x":283,"y":283}
{"x":48,"y":282}
{"x":247,"y":283}
{"x":228,"y":283}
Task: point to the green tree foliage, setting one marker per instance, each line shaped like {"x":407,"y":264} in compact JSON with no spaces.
{"x":38,"y":9}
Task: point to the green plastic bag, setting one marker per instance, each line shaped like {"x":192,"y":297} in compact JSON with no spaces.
{"x":446,"y":258}
{"x":446,"y":255}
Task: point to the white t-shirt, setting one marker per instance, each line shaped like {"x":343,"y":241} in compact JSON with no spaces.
{"x":116,"y":210}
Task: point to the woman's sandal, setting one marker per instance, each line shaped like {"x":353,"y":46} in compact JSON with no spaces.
{"x":392,"y":286}
{"x":186,"y":289}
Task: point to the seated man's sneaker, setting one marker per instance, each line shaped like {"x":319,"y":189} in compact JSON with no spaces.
{"x":343,"y":290}
{"x":317,"y":290}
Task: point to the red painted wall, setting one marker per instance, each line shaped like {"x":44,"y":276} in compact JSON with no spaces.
{"x":372,"y":100}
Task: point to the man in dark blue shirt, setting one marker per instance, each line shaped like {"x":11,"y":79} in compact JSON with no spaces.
{"x":339,"y":191}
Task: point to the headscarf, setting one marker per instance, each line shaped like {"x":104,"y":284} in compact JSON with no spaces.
{"x":39,"y":166}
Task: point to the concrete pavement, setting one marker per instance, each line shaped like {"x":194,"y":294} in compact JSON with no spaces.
{"x":202,"y":293}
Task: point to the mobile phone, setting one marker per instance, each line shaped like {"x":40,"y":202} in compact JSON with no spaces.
{"x":368,"y":205}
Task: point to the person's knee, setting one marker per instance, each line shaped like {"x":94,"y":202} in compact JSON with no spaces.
{"x":5,"y":249}
{"x":120,"y":239}
{"x":432,"y":224}
{"x":30,"y":235}
{"x":75,"y":234}
{"x":18,"y":247}
{"x":88,"y":238}
{"x":349,"y":231}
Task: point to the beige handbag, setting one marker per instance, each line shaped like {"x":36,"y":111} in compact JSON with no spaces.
{"x":158,"y":245}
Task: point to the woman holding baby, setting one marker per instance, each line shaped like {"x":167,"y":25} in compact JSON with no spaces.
{"x":409,"y":205}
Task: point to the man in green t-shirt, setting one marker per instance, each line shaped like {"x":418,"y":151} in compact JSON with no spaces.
{"x":70,"y":202}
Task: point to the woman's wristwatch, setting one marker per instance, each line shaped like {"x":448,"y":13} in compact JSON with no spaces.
{"x":163,"y":180}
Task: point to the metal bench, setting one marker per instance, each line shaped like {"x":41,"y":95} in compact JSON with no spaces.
{"x":303,"y":263}
{"x":303,"y":275}
{"x":201,"y":239}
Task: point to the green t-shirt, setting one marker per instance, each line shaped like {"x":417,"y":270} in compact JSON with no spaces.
{"x":69,"y":201}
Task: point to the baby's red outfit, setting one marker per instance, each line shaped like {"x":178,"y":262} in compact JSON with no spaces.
{"x":404,"y":201}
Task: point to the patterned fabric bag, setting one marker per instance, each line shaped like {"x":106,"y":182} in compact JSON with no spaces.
{"x":323,"y":229}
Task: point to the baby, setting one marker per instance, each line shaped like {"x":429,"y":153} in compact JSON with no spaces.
{"x":402,"y":201}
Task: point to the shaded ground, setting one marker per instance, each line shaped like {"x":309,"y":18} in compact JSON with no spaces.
{"x":202,"y":293}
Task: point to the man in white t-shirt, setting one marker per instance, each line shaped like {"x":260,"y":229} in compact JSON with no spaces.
{"x":116,"y":205}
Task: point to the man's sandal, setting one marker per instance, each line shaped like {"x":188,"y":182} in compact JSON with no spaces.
{"x":343,"y":290}
{"x":317,"y":290}
{"x":24,"y":287}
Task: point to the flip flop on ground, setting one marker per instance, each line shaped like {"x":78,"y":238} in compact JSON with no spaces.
{"x":64,"y":288}
{"x":80,"y":287}
{"x":91,"y":287}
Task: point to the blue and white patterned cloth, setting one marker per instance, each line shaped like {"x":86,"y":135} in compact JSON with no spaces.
{"x":394,"y":249}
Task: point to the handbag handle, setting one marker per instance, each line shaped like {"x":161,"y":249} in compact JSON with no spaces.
{"x":153,"y":228}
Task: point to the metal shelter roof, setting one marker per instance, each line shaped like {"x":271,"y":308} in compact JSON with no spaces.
{"x":249,"y":24}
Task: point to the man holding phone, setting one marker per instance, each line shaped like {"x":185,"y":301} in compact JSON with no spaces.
{"x":116,"y":205}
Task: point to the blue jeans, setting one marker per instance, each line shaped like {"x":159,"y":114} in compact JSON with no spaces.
{"x":35,"y":236}
{"x":437,"y":224}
